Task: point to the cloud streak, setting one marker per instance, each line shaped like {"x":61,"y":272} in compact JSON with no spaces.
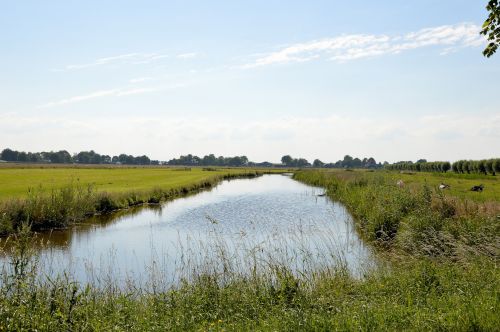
{"x":190,"y":55}
{"x":129,"y":58}
{"x":118,"y":92}
{"x":357,"y":46}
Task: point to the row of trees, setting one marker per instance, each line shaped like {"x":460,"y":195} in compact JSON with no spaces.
{"x":347,"y":162}
{"x":64,"y":157}
{"x":209,"y":160}
{"x":489,"y":166}
{"x":294,"y":162}
{"x":420,"y":166}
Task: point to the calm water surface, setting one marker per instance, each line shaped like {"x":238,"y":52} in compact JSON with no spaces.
{"x":240,"y":224}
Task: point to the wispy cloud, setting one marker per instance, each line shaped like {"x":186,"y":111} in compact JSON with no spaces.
{"x":119,"y":92}
{"x":130,"y":58}
{"x":357,"y":46}
{"x":140,"y":80}
{"x":187,"y":55}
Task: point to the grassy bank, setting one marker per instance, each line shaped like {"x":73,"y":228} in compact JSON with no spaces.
{"x":57,"y":197}
{"x":440,"y":273}
{"x":418,"y":217}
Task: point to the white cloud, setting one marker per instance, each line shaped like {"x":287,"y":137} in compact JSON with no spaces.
{"x":190,"y":55}
{"x":357,"y":46}
{"x":129,"y":58}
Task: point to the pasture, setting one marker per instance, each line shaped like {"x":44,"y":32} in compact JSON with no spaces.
{"x":460,"y":184}
{"x":16,"y":179}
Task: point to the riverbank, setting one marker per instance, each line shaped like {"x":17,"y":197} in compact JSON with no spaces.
{"x":417,"y":217}
{"x":440,"y":274}
{"x":49,"y":198}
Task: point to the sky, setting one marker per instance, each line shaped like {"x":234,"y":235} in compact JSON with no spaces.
{"x":389,"y":79}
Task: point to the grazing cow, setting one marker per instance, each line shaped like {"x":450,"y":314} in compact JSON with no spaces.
{"x":400,"y":183}
{"x":443,"y":186}
{"x":477,"y":188}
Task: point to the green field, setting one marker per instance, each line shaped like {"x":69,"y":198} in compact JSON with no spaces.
{"x":460,"y":184}
{"x":15,"y":181}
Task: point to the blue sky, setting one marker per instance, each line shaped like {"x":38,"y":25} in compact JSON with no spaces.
{"x":316,"y":79}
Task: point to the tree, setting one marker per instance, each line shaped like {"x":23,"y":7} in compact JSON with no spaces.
{"x":318,"y":163}
{"x":347,"y":162}
{"x":496,"y":166}
{"x":370,"y":163}
{"x":356,"y":162}
{"x":489,"y":166}
{"x":301,"y":162}
{"x":491,"y":28}
{"x":287,"y":160}
{"x":9,"y":155}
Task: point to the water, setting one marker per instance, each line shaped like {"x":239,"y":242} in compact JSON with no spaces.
{"x":239,"y":226}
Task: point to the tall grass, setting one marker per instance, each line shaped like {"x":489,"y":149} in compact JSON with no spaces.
{"x":418,"y":220}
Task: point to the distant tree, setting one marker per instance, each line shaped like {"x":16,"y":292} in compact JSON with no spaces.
{"x":301,"y":162}
{"x":59,"y":157}
{"x":347,"y":162}
{"x":445,"y":166}
{"x":489,"y":166}
{"x":357,"y":163}
{"x":491,"y":28}
{"x":318,"y":163}
{"x":209,"y":160}
{"x":481,"y":167}
{"x":496,"y":165}
{"x":22,"y":157}
{"x":370,"y":163}
{"x":142,"y":160}
{"x":34,"y":157}
{"x":287,"y":160}
{"x":9,"y":155}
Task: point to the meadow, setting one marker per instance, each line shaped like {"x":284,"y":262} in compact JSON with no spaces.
{"x":15,"y":180}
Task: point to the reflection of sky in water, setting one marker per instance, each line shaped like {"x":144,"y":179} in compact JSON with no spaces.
{"x":272,"y":215}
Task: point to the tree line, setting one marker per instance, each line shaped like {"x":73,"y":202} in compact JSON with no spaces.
{"x":83,"y":157}
{"x":92,"y":157}
{"x":210,"y":160}
{"x":485,"y":166}
{"x":421,"y":165}
{"x":347,"y":162}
